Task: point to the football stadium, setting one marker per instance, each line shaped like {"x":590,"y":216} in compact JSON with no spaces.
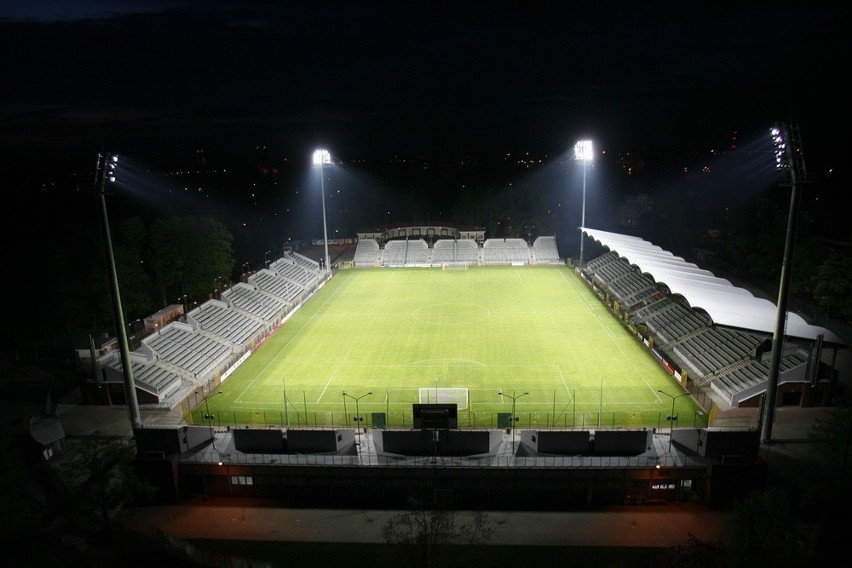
{"x":476,"y":371}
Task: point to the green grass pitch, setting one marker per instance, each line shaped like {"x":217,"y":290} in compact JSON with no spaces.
{"x":537,"y":334}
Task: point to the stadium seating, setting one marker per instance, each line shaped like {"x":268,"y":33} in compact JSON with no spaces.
{"x":366,"y":253}
{"x":545,"y":250}
{"x":505,"y":251}
{"x":718,"y":356}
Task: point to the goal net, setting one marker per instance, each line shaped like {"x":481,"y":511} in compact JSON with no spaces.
{"x":459,"y":396}
{"x":449,"y":266}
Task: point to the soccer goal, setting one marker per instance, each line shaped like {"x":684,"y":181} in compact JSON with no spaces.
{"x":459,"y":396}
{"x":450,"y":266}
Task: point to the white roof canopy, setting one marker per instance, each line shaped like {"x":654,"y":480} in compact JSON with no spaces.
{"x":725,"y":303}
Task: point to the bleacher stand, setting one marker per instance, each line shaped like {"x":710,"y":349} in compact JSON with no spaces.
{"x":255,"y":301}
{"x":718,"y":356}
{"x":394,"y":253}
{"x":366,"y":253}
{"x":545,"y":250}
{"x":237,"y":326}
{"x":455,"y":251}
{"x":505,"y":251}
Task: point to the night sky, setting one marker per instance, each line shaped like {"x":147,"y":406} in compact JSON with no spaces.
{"x":158,"y":79}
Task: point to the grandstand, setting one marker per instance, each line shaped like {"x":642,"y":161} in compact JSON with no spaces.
{"x":715,"y":334}
{"x":545,"y":250}
{"x":409,"y":252}
{"x":182,"y":356}
{"x":366,"y":253}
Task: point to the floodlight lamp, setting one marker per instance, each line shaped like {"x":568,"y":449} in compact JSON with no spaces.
{"x":583,"y":151}
{"x":780,"y":143}
{"x":321,"y":157}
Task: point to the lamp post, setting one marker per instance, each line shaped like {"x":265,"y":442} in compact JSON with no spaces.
{"x":320,"y":158}
{"x":209,"y":417}
{"x":286,"y":412}
{"x":357,"y":418}
{"x":105,"y":173}
{"x":789,"y":158}
{"x":216,"y":287}
{"x":583,"y":153}
{"x":514,"y":418}
{"x":672,"y":416}
{"x":245,"y":270}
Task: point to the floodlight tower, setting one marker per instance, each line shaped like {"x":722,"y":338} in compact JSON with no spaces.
{"x":584,"y":153}
{"x":791,"y":162}
{"x":320,"y":159}
{"x":105,"y":173}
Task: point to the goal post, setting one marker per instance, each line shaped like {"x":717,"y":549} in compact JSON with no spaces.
{"x":432,"y":395}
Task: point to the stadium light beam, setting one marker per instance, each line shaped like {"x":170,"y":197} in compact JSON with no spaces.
{"x":514,"y":418}
{"x":789,"y":160}
{"x":584,"y":153}
{"x":105,"y":172}
{"x":357,"y":418}
{"x":672,"y":416}
{"x":321,"y":158}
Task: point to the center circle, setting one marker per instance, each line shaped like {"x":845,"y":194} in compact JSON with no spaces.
{"x":451,"y":314}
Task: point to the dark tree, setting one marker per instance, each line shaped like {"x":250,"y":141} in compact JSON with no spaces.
{"x":424,"y":536}
{"x":98,"y":479}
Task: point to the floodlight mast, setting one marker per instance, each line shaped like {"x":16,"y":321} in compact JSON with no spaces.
{"x":790,"y":160}
{"x":583,"y":152}
{"x":320,"y":158}
{"x":105,"y":173}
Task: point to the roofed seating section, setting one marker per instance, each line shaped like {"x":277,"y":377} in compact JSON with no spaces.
{"x":720,"y":356}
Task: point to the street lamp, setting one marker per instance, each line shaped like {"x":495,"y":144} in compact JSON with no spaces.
{"x":105,"y":173}
{"x":266,"y":258}
{"x":245,"y":270}
{"x":320,"y":158}
{"x":583,"y":153}
{"x":286,"y":412}
{"x":672,"y":416}
{"x":209,"y":417}
{"x":514,"y":418}
{"x":357,"y":418}
{"x":216,"y":287}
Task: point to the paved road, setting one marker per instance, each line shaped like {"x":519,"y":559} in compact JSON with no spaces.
{"x":656,"y":526}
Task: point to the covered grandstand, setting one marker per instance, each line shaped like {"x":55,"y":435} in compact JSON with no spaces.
{"x":706,"y":329}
